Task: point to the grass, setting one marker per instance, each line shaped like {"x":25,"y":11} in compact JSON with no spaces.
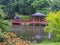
{"x":52,"y":43}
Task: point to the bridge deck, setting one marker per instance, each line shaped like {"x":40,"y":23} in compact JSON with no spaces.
{"x":29,"y":22}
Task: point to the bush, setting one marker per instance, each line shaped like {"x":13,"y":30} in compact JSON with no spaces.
{"x":56,"y":39}
{"x":12,"y":39}
{"x":53,"y":25}
{"x":1,"y":40}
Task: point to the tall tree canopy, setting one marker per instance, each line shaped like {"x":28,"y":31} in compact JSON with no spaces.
{"x":46,"y":6}
{"x":27,"y":7}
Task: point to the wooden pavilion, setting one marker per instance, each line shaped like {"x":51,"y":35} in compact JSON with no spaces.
{"x":37,"y":18}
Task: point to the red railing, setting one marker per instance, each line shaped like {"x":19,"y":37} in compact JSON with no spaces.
{"x":29,"y":21}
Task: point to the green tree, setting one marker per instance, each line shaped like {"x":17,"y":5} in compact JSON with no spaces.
{"x":23,"y":7}
{"x":53,"y":26}
{"x":45,"y":6}
{"x":28,"y":7}
{"x":42,"y":5}
{"x":4,"y":24}
{"x":55,"y":5}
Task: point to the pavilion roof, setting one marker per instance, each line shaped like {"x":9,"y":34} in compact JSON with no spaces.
{"x":38,"y":14}
{"x":17,"y":17}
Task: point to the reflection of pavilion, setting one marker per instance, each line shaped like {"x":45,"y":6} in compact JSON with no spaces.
{"x":37,"y":18}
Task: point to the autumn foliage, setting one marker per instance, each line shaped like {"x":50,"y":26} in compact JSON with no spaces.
{"x":12,"y":39}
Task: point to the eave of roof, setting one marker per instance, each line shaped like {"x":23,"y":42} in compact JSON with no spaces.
{"x":38,"y":14}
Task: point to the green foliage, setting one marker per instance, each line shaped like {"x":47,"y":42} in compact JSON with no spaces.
{"x":4,"y":24}
{"x":50,"y":43}
{"x":2,"y":14}
{"x":42,"y":6}
{"x":25,"y":17}
{"x":56,"y":39}
{"x":28,"y":7}
{"x":55,"y":5}
{"x":45,"y":6}
{"x":20,"y":6}
{"x":53,"y":26}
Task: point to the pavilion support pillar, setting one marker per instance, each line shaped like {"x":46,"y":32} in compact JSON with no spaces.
{"x":39,"y":19}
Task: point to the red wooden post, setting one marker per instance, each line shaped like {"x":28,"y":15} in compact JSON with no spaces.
{"x":33,"y":19}
{"x":39,"y":19}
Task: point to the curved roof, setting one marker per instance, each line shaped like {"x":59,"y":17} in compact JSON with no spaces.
{"x":17,"y":17}
{"x":38,"y":14}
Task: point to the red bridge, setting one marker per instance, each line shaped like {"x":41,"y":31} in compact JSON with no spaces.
{"x":28,"y":22}
{"x":37,"y":18}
